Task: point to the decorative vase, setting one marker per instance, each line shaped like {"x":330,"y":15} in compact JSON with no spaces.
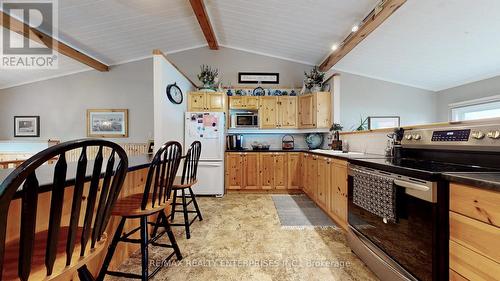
{"x":316,"y":88}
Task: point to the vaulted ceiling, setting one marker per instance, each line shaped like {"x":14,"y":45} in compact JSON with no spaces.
{"x":432,"y":44}
{"x":117,"y":31}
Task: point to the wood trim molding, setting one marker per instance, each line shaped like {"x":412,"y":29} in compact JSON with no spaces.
{"x":371,"y":22}
{"x":36,"y":35}
{"x":204,"y":21}
{"x":157,"y":52}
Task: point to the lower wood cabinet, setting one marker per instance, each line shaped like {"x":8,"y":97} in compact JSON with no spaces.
{"x":261,"y":170}
{"x":323,"y":179}
{"x":338,"y":192}
{"x":323,"y":182}
{"x":294,"y":170}
{"x":234,"y":166}
{"x":251,"y":171}
{"x":474,"y":233}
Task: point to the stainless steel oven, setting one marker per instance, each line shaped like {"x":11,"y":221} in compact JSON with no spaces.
{"x":245,"y":119}
{"x":415,"y":245}
{"x":409,"y":239}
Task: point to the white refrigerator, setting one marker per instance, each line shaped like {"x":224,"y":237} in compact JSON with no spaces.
{"x":209,"y":129}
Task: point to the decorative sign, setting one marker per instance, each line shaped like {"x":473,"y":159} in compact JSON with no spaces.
{"x":258,"y":77}
{"x":383,"y":122}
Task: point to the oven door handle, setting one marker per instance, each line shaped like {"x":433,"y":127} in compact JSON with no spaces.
{"x":411,"y":185}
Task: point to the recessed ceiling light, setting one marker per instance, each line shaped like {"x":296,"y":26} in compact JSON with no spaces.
{"x":355,"y":28}
{"x":335,"y":47}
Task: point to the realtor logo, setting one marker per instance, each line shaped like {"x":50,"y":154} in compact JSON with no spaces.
{"x":26,"y":38}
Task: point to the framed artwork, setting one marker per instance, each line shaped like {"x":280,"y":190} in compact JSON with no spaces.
{"x":107,"y":123}
{"x":383,"y":122}
{"x":26,"y":126}
{"x":258,"y":77}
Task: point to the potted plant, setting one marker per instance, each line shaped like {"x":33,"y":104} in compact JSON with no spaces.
{"x":313,"y":80}
{"x":209,"y":77}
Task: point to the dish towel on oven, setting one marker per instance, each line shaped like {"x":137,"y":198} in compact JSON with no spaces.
{"x":375,"y":193}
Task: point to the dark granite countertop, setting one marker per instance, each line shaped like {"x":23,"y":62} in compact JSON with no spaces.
{"x":45,"y":173}
{"x":343,"y":156}
{"x":487,"y":180}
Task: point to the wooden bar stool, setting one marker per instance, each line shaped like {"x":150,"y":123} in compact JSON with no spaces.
{"x":53,"y":244}
{"x":183,"y":184}
{"x":152,"y":201}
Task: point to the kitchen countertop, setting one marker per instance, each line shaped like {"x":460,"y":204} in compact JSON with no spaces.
{"x":45,"y":173}
{"x":486,"y":180}
{"x":322,"y":152}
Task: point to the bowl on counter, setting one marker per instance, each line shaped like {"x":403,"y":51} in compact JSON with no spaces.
{"x":260,"y":146}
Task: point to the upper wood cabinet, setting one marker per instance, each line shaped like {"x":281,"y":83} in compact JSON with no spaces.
{"x":244,"y":102}
{"x":278,"y":112}
{"x":268,"y":112}
{"x":206,"y":101}
{"x":287,"y":112}
{"x":315,"y":110}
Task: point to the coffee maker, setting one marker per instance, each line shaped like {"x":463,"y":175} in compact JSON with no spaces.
{"x":234,"y":142}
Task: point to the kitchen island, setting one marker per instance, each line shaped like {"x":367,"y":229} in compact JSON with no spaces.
{"x":134,"y":183}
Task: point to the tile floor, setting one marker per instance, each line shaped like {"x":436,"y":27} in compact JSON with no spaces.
{"x":241,"y":239}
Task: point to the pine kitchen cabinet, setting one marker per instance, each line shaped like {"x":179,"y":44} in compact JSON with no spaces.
{"x":244,"y":102}
{"x":242,"y":170}
{"x":273,"y":170}
{"x":268,"y":112}
{"x":206,"y":101}
{"x":474,"y":233}
{"x":315,"y":110}
{"x":323,"y":182}
{"x":287,"y":112}
{"x":338,"y":192}
{"x":278,"y":112}
{"x":234,"y":167}
{"x":294,"y":170}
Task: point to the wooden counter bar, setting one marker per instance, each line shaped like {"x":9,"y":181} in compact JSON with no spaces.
{"x":134,"y":183}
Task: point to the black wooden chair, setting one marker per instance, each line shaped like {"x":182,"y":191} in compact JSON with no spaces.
{"x":185,"y":183}
{"x":51,"y":244}
{"x":141,"y":206}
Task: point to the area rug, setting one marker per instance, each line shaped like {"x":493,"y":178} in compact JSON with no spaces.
{"x":298,"y":211}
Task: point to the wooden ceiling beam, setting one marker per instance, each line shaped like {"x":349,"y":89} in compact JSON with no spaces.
{"x":371,"y":22}
{"x":36,"y":35}
{"x":204,"y":21}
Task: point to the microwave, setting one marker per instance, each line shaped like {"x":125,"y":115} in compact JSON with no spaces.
{"x":245,"y":120}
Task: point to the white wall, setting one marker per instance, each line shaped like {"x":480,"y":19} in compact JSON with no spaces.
{"x":361,"y":97}
{"x":62,"y":102}
{"x":471,"y":91}
{"x":168,"y":117}
{"x":231,"y":61}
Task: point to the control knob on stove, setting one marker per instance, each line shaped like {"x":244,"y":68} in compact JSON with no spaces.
{"x":478,"y":135}
{"x":408,"y":137}
{"x":494,"y":134}
{"x":417,"y":137}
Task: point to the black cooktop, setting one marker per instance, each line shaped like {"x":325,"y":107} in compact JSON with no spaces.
{"x":424,"y":169}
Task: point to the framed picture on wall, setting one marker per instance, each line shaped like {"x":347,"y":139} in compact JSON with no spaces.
{"x":26,"y":126}
{"x":383,"y":122}
{"x":258,"y":77}
{"x":107,"y":123}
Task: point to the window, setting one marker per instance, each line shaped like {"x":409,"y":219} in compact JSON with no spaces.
{"x":476,"y":109}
